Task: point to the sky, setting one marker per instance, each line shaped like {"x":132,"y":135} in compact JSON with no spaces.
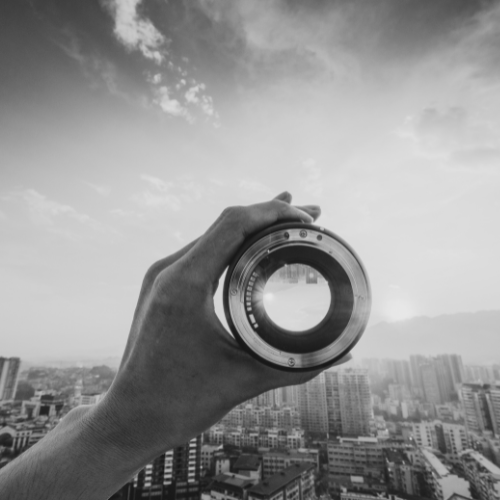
{"x":127,"y":126}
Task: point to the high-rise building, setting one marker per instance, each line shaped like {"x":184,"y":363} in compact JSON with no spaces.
{"x":440,"y":481}
{"x":349,"y":404}
{"x":249,"y":416}
{"x":484,"y":476}
{"x":333,"y":403}
{"x":481,"y":405}
{"x":174,"y":475}
{"x":355,"y":398}
{"x":400,"y":472}
{"x":450,"y":373}
{"x":312,"y":404}
{"x":399,"y":371}
{"x":494,"y":405}
{"x":424,"y":434}
{"x":456,"y":367}
{"x":9,"y":375}
{"x":416,"y":361}
{"x":432,"y":391}
{"x":451,"y":439}
{"x":271,"y":398}
{"x":363,"y":456}
{"x":289,"y":395}
{"x":437,"y":378}
{"x":337,"y":402}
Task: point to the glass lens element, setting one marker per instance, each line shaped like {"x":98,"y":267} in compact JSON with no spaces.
{"x":297,"y":297}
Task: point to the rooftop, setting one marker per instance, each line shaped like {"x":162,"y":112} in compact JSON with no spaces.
{"x":279,"y":480}
{"x":233,"y":480}
{"x":484,"y":462}
{"x":247,"y":462}
{"x":395,"y":456}
{"x":456,"y":496}
{"x":435,"y":463}
{"x":289,"y":453}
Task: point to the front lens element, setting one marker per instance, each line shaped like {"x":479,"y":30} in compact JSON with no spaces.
{"x":296,"y":297}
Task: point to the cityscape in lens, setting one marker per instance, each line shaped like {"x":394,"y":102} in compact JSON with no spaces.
{"x":127,"y":127}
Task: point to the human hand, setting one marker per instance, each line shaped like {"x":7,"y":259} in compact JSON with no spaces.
{"x":182,"y":371}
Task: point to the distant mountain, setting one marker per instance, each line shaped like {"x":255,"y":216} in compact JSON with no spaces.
{"x":475,"y":336}
{"x":89,"y":362}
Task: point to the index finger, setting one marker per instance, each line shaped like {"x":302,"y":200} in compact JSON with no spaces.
{"x":215,"y":249}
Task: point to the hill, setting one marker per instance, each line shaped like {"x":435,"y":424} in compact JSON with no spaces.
{"x":475,"y":336}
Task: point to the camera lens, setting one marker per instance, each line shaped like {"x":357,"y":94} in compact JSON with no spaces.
{"x":296,"y":296}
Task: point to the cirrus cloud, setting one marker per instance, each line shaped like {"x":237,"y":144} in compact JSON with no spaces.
{"x":454,"y":136}
{"x":135,"y":31}
{"x":52,"y":215}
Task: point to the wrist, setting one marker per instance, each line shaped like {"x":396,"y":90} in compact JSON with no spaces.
{"x":114,"y":435}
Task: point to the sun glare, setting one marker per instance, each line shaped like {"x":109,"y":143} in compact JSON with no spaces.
{"x":398,"y":310}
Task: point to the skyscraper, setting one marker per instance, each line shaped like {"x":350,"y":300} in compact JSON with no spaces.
{"x":9,"y":374}
{"x":432,"y":391}
{"x":481,"y":407}
{"x":349,"y":402}
{"x":312,"y":404}
{"x":399,"y":371}
{"x":355,"y":402}
{"x":174,"y":475}
{"x":337,"y":402}
{"x":333,"y":403}
{"x":416,"y":361}
{"x":450,"y":373}
{"x":437,"y":378}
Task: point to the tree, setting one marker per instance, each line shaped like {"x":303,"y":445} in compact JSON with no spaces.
{"x":6,"y":440}
{"x":24,"y":391}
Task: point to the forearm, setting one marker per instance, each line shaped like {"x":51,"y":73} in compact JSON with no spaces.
{"x":76,"y":460}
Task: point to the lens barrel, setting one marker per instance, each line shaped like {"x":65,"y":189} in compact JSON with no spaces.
{"x":287,"y":259}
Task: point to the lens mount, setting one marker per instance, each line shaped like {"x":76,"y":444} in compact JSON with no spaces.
{"x":294,"y":243}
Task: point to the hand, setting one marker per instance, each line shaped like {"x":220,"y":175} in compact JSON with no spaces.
{"x":181,"y":371}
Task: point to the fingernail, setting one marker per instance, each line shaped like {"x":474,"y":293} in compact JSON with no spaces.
{"x":314,"y":208}
{"x":285,"y":195}
{"x":305,"y":216}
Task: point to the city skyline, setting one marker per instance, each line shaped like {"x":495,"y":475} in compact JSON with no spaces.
{"x":127,"y":127}
{"x":425,"y":426}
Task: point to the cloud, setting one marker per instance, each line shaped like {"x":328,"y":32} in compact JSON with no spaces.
{"x":136,"y":32}
{"x":438,"y":131}
{"x":167,"y":83}
{"x":474,"y":46}
{"x":255,"y":187}
{"x":51,"y":215}
{"x":159,"y":184}
{"x":159,"y":195}
{"x":454,"y":136}
{"x":170,"y":105}
{"x":102,"y":190}
{"x":172,"y":194}
{"x":335,"y":40}
{"x":280,"y":40}
{"x":191,"y":104}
